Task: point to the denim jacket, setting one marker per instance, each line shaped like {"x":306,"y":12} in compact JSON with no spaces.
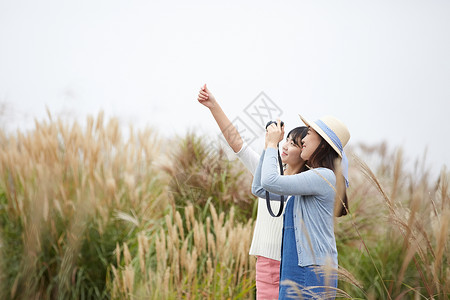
{"x":313,"y":193}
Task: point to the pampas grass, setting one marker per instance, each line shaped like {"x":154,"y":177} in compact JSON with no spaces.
{"x":188,"y":268}
{"x":88,"y":214}
{"x":396,"y":213}
{"x":65,"y":191}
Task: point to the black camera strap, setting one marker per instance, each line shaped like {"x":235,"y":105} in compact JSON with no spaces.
{"x":282,"y":197}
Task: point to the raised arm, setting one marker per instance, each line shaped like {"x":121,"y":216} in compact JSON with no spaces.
{"x":257,"y":189}
{"x":318,"y":181}
{"x":230,"y":132}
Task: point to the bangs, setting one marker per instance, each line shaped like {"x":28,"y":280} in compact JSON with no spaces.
{"x":297,"y":134}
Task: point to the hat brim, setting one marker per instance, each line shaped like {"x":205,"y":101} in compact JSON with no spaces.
{"x":319,"y":131}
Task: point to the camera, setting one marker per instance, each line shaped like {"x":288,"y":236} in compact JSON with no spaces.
{"x":275,"y":122}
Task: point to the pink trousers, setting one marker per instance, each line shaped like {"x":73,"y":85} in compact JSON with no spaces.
{"x":267,"y":278}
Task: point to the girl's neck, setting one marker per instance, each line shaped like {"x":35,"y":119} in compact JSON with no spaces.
{"x":292,"y":170}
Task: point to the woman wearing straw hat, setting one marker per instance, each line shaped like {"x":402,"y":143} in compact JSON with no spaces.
{"x":309,"y":254}
{"x":266,"y":242}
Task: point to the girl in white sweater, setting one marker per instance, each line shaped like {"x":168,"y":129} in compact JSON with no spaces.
{"x":266,"y":242}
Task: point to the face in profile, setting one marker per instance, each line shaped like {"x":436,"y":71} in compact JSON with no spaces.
{"x":310,"y":143}
{"x":290,"y":152}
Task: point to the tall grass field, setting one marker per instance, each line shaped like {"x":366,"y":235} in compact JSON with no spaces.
{"x":90,"y":212}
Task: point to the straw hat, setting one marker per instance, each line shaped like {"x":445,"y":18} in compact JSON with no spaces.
{"x":336,"y":126}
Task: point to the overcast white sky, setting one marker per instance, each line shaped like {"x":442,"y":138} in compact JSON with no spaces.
{"x":383,"y":67}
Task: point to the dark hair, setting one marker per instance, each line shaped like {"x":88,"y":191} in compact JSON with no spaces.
{"x":297,"y":134}
{"x":325,"y":156}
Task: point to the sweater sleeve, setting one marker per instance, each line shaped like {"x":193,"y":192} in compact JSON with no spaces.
{"x":257,"y":189}
{"x":248,"y":157}
{"x":312,"y":182}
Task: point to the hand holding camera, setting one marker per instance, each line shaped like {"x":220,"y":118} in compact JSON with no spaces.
{"x":274,"y":133}
{"x":274,"y":122}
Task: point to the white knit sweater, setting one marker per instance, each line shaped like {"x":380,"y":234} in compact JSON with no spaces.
{"x":268,"y":230}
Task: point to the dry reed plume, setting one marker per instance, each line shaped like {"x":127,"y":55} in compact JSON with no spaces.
{"x":403,"y":224}
{"x":63,"y":190}
{"x":85,"y":214}
{"x":206,"y":262}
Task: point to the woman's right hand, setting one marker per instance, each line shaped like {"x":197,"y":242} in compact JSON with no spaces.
{"x":206,"y":98}
{"x":229,"y":131}
{"x":274,"y":135}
